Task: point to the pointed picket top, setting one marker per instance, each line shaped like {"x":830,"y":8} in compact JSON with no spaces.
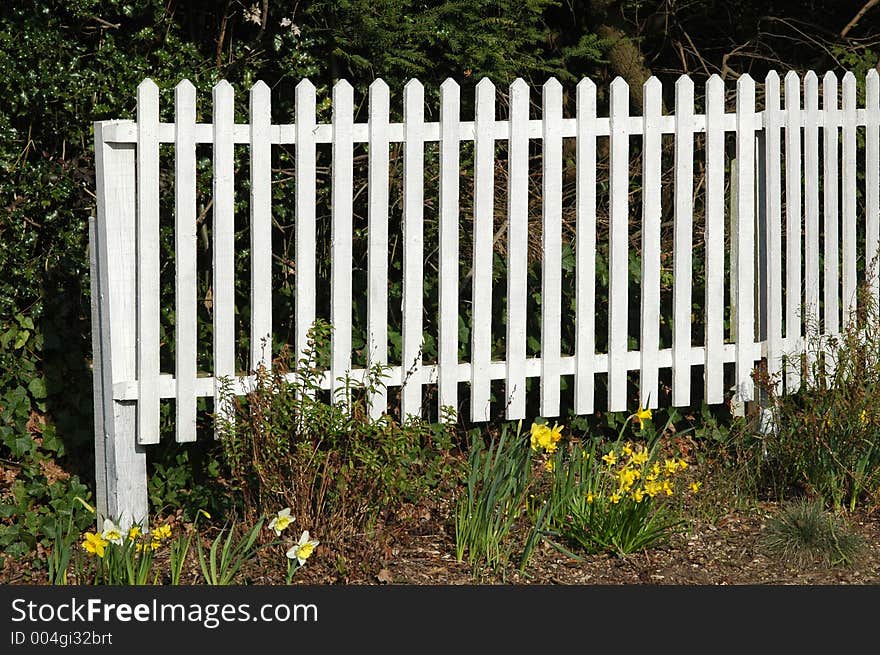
{"x":652,"y":96}
{"x":222,"y":89}
{"x":714,"y":84}
{"x":791,"y":77}
{"x":811,"y":76}
{"x":849,"y":89}
{"x":873,"y":76}
{"x":654,"y":84}
{"x":260,"y":89}
{"x":551,"y":85}
{"x":745,"y":82}
{"x":259,"y":97}
{"x":342,"y":91}
{"x":185,"y":87}
{"x":792,"y":90}
{"x":413,"y":99}
{"x":519,"y":85}
{"x":586,"y":84}
{"x":449,"y":85}
{"x":619,"y":85}
{"x":872,"y":89}
{"x":745,"y":95}
{"x":485,"y":86}
{"x":223,"y":86}
{"x":830,"y":77}
{"x":305,"y":85}
{"x":771,"y":91}
{"x":147,"y":86}
{"x":379,"y":86}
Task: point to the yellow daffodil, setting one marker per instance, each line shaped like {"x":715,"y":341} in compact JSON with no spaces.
{"x":640,"y":457}
{"x":638,"y":495}
{"x":610,"y":458}
{"x":670,"y":466}
{"x":614,"y":498}
{"x":627,"y":448}
{"x":548,"y":465}
{"x":134,"y":532}
{"x":682,"y":464}
{"x":863,"y":417}
{"x":652,"y":488}
{"x":641,"y":416}
{"x":95,"y":544}
{"x":589,"y":498}
{"x":666,"y":488}
{"x":280,"y":521}
{"x":301,"y":550}
{"x":695,"y":486}
{"x":162,"y":532}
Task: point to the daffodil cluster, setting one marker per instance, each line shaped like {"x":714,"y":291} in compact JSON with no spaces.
{"x":544,"y":438}
{"x":633,"y":476}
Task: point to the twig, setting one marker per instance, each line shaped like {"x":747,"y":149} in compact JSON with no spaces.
{"x":864,"y":10}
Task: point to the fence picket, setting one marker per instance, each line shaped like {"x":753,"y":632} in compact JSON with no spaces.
{"x":447,"y":352}
{"x":745,"y":237}
{"x":848,"y":184}
{"x":649,"y":330}
{"x":413,"y":249}
{"x":872,"y":181}
{"x":551,"y":242}
{"x":341,"y":235}
{"x":223,"y":291}
{"x":773,"y":237}
{"x":811,"y":215}
{"x":148,"y":262}
{"x":683,"y":241}
{"x":714,"y":308}
{"x":618,"y":263}
{"x":585,"y":249}
{"x":793,"y":231}
{"x":517,"y":249}
{"x":831,"y":254}
{"x":261,"y":228}
{"x":304,"y":97}
{"x":185,"y":297}
{"x":481,"y":306}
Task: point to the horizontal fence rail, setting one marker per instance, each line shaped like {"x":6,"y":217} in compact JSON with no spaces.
{"x":761,"y":229}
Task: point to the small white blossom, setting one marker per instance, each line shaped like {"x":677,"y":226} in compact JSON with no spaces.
{"x":303,"y":548}
{"x":281,"y":521}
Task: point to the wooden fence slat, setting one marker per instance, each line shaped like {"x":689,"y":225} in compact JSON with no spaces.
{"x":148,"y":262}
{"x":481,"y":305}
{"x":831,"y":254}
{"x":772,"y":240}
{"x":261,"y":227}
{"x":341,"y":225}
{"x":377,"y":252}
{"x":618,"y":242}
{"x":223,"y":292}
{"x":517,"y":249}
{"x":185,"y":293}
{"x":745,"y":237}
{"x":304,"y":96}
{"x":551,"y":247}
{"x":413,"y":250}
{"x":714,"y":307}
{"x":872,"y":181}
{"x":683,"y":241}
{"x":585,"y":249}
{"x":848,"y":183}
{"x":811,"y":216}
{"x":447,"y":352}
{"x":793,"y":231}
{"x":124,"y":471}
{"x":649,"y":329}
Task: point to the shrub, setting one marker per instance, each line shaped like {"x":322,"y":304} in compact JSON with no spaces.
{"x":289,"y":444}
{"x":802,"y":532}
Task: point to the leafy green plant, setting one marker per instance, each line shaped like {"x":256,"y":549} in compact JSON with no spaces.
{"x":611,"y":498}
{"x":802,"y":532}
{"x":494,"y":501}
{"x":823,"y":439}
{"x":291,"y":444}
{"x":226,"y":556}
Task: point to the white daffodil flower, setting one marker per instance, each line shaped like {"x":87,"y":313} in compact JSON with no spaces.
{"x":112,"y":532}
{"x":303,"y":548}
{"x":280,"y":522}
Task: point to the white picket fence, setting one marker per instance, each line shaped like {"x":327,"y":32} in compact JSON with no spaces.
{"x":773,"y":144}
